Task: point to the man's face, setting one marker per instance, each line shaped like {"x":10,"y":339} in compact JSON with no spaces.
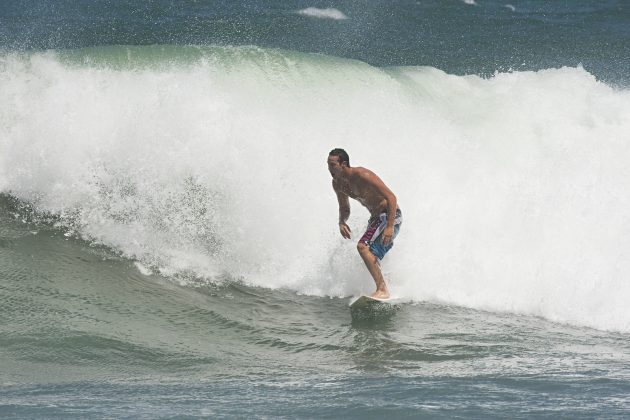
{"x":334,"y":166}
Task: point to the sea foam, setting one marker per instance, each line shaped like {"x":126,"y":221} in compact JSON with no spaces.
{"x":328,"y":13}
{"x":212,"y":165}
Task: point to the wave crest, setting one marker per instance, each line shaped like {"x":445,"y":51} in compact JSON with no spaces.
{"x":328,"y":13}
{"x":514,"y":188}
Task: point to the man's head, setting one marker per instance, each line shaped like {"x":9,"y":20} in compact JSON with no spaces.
{"x":337,"y":160}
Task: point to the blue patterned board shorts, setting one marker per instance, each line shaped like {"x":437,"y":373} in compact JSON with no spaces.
{"x":372,"y":236}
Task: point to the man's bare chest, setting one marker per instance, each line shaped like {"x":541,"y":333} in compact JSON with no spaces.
{"x":352,"y":191}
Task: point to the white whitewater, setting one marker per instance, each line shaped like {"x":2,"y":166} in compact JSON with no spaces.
{"x":514,"y":189}
{"x":327,"y":13}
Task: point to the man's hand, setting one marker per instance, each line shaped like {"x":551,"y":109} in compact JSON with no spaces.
{"x":344,"y":229}
{"x":388,"y":232}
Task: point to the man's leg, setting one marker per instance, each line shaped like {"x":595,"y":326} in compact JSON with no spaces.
{"x":371,"y":263}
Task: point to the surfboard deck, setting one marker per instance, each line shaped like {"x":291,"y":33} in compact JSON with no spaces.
{"x":364,"y":301}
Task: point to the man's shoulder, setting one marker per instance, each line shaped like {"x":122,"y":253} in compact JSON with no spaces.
{"x":363,"y":172}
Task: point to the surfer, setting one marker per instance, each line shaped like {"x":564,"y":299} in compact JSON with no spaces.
{"x":368,"y":189}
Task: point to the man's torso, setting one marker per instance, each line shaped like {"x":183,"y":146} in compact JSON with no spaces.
{"x":357,"y":188}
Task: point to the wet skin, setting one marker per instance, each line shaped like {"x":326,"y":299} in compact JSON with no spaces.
{"x":368,"y":189}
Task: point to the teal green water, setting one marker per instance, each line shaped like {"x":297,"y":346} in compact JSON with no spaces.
{"x":479,"y":38}
{"x":167,"y":228}
{"x":85,"y":334}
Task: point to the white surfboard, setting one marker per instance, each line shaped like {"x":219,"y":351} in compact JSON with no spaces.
{"x":364,"y":301}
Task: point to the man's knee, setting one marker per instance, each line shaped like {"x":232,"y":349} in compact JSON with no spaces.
{"x":362,"y":247}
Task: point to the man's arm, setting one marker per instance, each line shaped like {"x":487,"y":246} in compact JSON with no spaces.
{"x":392,"y":204}
{"x":344,"y":211}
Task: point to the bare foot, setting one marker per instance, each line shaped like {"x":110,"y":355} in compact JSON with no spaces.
{"x":380,"y":294}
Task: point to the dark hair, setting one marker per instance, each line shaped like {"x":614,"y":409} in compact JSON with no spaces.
{"x":343,"y":156}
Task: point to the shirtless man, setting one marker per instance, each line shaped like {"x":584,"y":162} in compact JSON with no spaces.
{"x":385,"y":217}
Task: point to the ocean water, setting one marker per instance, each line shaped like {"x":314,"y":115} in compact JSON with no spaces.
{"x":168,"y":237}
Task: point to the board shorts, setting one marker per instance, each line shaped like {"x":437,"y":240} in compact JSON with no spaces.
{"x":373,"y":235}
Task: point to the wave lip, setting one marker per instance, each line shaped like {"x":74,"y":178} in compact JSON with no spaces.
{"x":328,"y":13}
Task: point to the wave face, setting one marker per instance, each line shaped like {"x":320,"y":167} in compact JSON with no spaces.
{"x":210,"y":163}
